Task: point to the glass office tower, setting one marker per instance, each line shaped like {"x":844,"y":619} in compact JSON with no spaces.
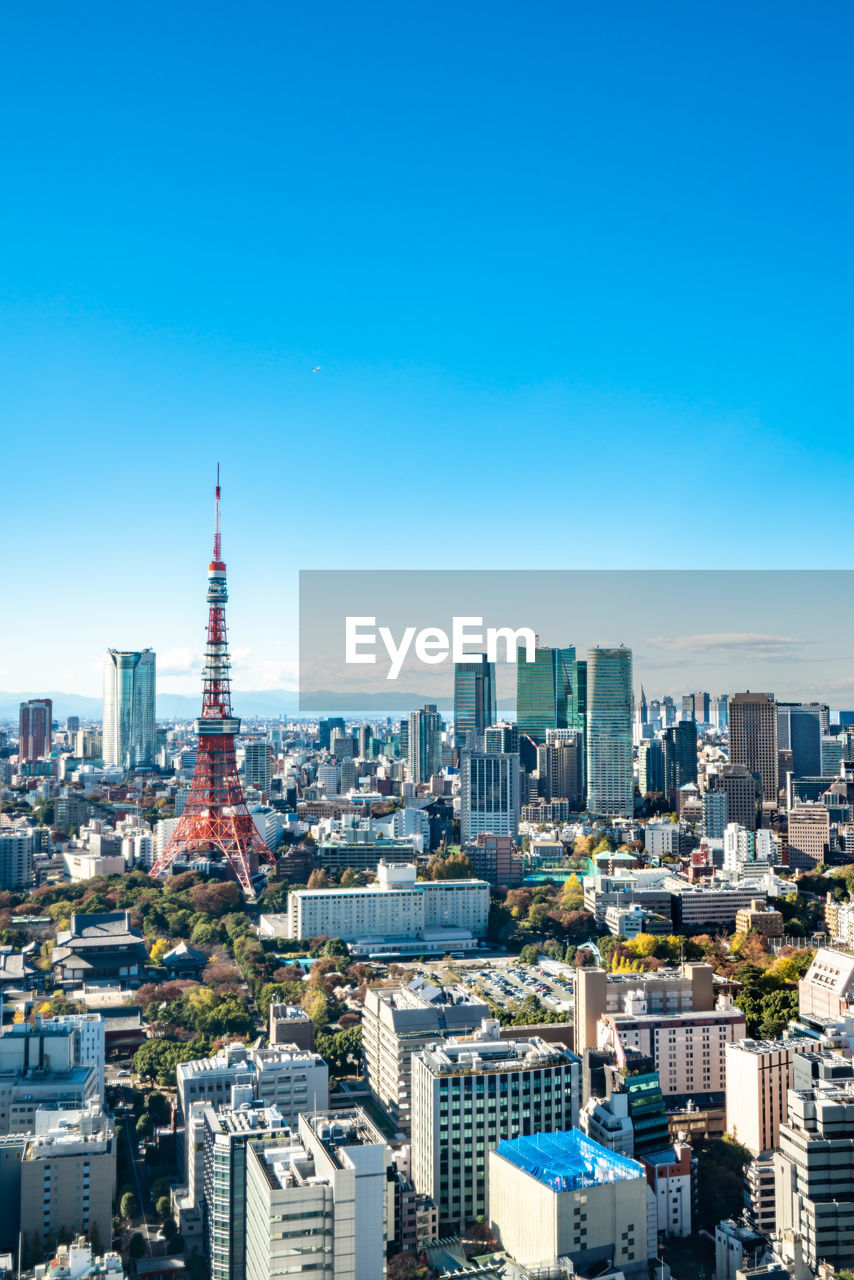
{"x":610,"y":785}
{"x":129,"y":691}
{"x":474,"y":701}
{"x":543,"y":691}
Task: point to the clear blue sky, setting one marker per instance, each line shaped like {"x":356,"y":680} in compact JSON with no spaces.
{"x":578,"y":278}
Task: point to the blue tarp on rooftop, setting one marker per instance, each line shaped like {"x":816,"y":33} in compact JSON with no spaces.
{"x":566,"y":1161}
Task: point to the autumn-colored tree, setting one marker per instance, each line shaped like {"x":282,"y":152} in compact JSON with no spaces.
{"x":316,"y":1006}
{"x":319,"y":879}
{"x":572,"y":898}
{"x":160,"y":948}
{"x":215,"y":899}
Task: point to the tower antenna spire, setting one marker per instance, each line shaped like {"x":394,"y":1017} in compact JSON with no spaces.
{"x":217,"y":536}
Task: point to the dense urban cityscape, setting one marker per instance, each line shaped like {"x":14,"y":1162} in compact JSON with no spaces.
{"x":426,"y":696}
{"x":571,"y":994}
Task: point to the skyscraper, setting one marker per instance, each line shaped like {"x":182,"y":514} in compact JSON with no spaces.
{"x":474,"y":700}
{"x":489,"y":795}
{"x":257,"y":766}
{"x":680,"y":757}
{"x":35,"y":719}
{"x":610,"y":784}
{"x":560,"y":769}
{"x":542,"y":691}
{"x":129,"y":690}
{"x":651,"y":767}
{"x":753,"y":738}
{"x":424,"y":744}
{"x":799,"y":731}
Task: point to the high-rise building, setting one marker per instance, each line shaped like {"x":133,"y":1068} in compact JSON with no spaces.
{"x":814,"y":1173}
{"x":576,"y":713}
{"x":610,"y":782}
{"x":17,"y":847}
{"x":560,"y":766}
{"x":490,"y":798}
{"x":543,"y":690}
{"x":468,"y":1095}
{"x":809,"y":835}
{"x":424,"y":744}
{"x":399,"y":1021}
{"x":68,"y":1177}
{"x":753,"y":738}
{"x":741,"y":789}
{"x":35,"y":729}
{"x":474,"y":701}
{"x":496,"y":859}
{"x":714,"y":814}
{"x":720,"y":712}
{"x":501,"y":738}
{"x":799,"y":731}
{"x":680,"y":757}
{"x":324,"y":729}
{"x":129,"y":701}
{"x":228,"y":1131}
{"x":651,"y":767}
{"x":257,"y":767}
{"x":319,"y":1201}
{"x":72,"y":724}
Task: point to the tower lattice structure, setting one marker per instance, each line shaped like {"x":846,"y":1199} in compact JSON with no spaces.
{"x":216,"y":819}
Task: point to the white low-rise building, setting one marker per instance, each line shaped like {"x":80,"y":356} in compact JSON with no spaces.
{"x":397,"y":910}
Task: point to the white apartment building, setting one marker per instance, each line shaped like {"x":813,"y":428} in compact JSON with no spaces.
{"x":16,"y":858}
{"x":397,"y":909}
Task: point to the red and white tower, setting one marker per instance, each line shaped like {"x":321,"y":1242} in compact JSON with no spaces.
{"x":216,"y":819}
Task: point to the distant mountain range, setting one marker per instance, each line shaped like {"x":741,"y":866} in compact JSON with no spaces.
{"x":250,"y":703}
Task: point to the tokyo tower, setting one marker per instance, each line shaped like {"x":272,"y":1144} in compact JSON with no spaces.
{"x":216,"y":819}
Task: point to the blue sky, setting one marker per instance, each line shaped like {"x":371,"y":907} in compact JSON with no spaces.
{"x":577,"y":278}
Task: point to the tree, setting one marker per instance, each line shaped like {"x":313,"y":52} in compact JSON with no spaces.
{"x":161,"y":948}
{"x":319,"y":879}
{"x":144,"y":1125}
{"x":341,"y":1051}
{"x":572,"y":898}
{"x":720,"y":1179}
{"x":128,"y":1205}
{"x":162,"y":1206}
{"x":205,"y":934}
{"x":454,"y":866}
{"x":529,"y":954}
{"x":336,"y":947}
{"x":215,"y":899}
{"x":405,"y":1266}
{"x":316,"y":1006}
{"x":136,"y":1246}
{"x":351,"y":878}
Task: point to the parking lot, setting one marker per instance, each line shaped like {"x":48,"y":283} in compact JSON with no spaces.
{"x":507,"y":981}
